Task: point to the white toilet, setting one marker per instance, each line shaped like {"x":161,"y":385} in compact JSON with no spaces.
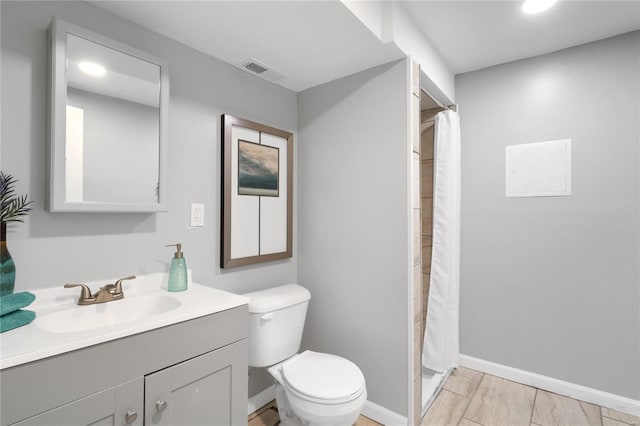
{"x":312,"y":388}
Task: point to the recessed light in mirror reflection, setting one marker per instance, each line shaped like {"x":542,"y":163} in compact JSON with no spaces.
{"x":537,"y":6}
{"x":91,"y":68}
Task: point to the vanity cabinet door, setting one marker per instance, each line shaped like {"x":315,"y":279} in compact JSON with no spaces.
{"x":210,"y":389}
{"x":106,"y":408}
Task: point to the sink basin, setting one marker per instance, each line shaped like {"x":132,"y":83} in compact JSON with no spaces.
{"x":81,"y":318}
{"x":62,"y":326}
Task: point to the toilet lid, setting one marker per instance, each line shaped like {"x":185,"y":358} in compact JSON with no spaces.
{"x":323,"y":376}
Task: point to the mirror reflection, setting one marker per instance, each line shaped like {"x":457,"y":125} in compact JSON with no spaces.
{"x":112,"y":145}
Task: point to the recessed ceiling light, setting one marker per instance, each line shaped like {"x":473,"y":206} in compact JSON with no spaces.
{"x":537,"y":6}
{"x":92,"y":69}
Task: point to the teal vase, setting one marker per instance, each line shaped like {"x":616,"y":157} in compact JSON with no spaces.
{"x":7,"y":267}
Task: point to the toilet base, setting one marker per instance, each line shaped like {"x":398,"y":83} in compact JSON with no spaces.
{"x":286,"y":414}
{"x":339,"y":416}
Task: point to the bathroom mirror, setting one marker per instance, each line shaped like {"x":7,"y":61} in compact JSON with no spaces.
{"x":108,"y":108}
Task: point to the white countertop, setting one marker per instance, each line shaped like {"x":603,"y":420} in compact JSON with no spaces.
{"x":33,"y":342}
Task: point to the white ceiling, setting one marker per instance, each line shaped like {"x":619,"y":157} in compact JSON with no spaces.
{"x":126,"y":77}
{"x":311,"y":42}
{"x":316,"y":41}
{"x":470,"y":35}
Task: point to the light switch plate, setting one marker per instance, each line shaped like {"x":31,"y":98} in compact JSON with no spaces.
{"x":197,"y":215}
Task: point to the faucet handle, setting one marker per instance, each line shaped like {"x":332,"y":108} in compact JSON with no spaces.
{"x":118,"y":283}
{"x":85,"y":293}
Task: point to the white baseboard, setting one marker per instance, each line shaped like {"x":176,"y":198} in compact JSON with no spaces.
{"x":383,"y":415}
{"x":261,"y":399}
{"x":583,"y":393}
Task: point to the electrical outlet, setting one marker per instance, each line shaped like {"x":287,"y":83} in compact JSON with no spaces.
{"x":197,"y":215}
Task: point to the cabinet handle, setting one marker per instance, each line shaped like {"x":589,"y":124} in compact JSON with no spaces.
{"x":130,"y":417}
{"x":160,"y":406}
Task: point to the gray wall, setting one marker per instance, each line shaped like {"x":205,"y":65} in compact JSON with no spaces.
{"x":53,"y":249}
{"x":353,"y":207}
{"x":111,"y":127}
{"x":551,"y":285}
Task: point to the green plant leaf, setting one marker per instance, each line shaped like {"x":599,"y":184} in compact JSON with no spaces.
{"x":12,"y":206}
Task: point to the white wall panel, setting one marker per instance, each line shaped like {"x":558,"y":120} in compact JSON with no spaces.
{"x":273,"y":210}
{"x":74,"y":164}
{"x":541,"y":169}
{"x":245,"y":209}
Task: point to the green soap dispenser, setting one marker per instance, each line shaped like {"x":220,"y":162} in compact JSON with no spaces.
{"x":177,"y":270}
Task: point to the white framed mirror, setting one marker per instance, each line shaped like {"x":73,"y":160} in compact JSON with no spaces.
{"x":108,"y":111}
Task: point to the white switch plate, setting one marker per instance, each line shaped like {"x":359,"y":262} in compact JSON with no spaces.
{"x":197,"y":215}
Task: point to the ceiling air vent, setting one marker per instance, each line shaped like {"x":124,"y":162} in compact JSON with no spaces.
{"x":253,"y":67}
{"x":261,"y":69}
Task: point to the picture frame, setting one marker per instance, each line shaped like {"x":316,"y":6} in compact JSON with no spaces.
{"x":257,"y":193}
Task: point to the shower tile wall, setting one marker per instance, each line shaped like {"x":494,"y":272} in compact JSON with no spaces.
{"x":426,"y":198}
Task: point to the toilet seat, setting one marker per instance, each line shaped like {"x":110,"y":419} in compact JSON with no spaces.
{"x":322,"y":378}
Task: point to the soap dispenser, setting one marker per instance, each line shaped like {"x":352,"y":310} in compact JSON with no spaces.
{"x":177,"y":270}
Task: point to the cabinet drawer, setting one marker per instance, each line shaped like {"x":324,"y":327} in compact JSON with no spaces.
{"x":109,"y":407}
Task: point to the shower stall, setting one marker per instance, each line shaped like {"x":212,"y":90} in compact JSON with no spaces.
{"x":439,"y":237}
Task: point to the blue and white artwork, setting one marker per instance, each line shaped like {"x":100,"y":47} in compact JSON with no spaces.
{"x":258,"y":172}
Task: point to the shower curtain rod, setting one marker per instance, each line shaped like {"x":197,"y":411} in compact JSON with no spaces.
{"x":433,"y":98}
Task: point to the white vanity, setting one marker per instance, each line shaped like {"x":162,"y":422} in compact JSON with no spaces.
{"x":152,"y":358}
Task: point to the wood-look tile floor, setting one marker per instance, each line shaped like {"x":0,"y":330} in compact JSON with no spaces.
{"x":471,"y":398}
{"x":268,"y":416}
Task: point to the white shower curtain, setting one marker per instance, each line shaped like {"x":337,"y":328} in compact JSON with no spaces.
{"x":441,"y":347}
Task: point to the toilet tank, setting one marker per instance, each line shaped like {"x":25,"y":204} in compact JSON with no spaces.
{"x":276,"y":321}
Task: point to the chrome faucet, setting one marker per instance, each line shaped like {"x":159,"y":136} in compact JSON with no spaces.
{"x":108,"y":293}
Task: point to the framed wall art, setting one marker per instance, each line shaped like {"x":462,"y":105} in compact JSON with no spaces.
{"x":257,"y":193}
